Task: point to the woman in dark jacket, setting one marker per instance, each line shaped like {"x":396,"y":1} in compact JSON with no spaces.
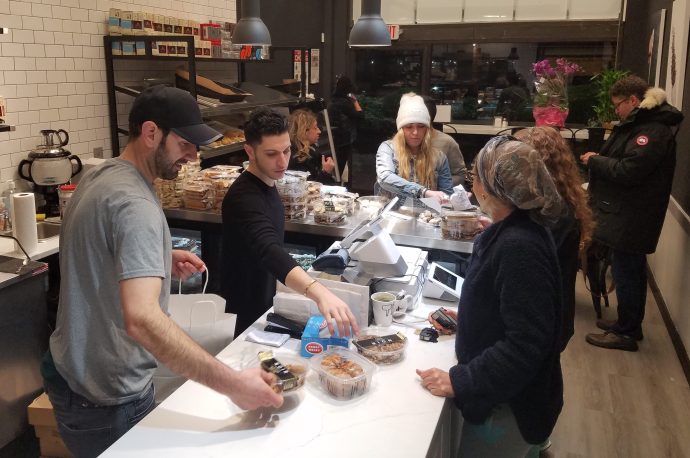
{"x":304,"y":133}
{"x":508,"y":383}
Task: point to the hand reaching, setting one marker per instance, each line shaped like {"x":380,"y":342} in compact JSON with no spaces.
{"x":251,"y":389}
{"x":439,"y":195}
{"x":327,"y":164}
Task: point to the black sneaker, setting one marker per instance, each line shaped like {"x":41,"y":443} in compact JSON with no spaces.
{"x":607,"y":325}
{"x":613,"y":341}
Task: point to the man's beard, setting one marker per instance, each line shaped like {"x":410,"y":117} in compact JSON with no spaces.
{"x":166,"y":168}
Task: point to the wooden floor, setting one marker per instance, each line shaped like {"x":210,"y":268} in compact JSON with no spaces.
{"x":622,"y":404}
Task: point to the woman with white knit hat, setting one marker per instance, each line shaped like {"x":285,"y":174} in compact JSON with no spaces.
{"x":406,"y":165}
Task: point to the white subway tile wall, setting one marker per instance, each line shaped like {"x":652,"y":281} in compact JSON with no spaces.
{"x":52,"y":70}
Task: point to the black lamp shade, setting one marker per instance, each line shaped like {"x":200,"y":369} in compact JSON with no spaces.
{"x":251,"y":30}
{"x":370,"y":30}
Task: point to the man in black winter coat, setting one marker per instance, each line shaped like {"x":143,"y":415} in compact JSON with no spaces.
{"x":629,"y":185}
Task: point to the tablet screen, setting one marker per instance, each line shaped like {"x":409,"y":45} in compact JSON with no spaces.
{"x":445,"y":277}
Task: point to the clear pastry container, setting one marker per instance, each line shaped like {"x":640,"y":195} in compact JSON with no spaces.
{"x":381,"y":345}
{"x":342,"y":373}
{"x":458,"y":225}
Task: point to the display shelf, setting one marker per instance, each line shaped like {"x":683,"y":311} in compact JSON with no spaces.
{"x":184,"y":58}
{"x":261,"y":96}
{"x":221,"y":151}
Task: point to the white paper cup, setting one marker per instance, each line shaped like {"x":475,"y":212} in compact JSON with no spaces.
{"x":383,"y":305}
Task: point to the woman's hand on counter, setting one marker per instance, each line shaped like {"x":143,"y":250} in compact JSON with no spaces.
{"x":441,"y":196}
{"x":437,"y":382}
{"x":251,"y":389}
{"x":185,"y":264}
{"x":437,"y":325}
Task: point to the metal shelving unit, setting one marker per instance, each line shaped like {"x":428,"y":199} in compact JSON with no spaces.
{"x":260,"y":95}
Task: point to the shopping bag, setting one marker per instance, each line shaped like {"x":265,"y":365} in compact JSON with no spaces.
{"x":202,"y":316}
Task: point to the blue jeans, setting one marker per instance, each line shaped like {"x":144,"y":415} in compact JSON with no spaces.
{"x":629,"y":271}
{"x":88,"y":429}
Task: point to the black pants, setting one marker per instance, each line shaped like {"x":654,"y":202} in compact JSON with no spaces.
{"x":630,"y":274}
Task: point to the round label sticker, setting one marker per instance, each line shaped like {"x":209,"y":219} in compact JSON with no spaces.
{"x":642,"y":140}
{"x":314,"y":347}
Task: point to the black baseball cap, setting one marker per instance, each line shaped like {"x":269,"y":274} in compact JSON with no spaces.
{"x":174,"y":109}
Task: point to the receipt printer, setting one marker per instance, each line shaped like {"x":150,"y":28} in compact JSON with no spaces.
{"x":442,"y":284}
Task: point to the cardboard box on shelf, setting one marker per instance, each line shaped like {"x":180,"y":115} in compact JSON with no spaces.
{"x":42,"y":417}
{"x":41,"y":412}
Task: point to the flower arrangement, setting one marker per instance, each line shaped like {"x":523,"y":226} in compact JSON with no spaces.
{"x":551,"y":98}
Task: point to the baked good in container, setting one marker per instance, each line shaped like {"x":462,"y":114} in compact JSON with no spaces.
{"x":380,"y":345}
{"x":326,"y":212}
{"x":342,"y":373}
{"x":457,"y":225}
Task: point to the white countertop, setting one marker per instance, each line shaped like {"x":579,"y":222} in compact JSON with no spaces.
{"x":397,"y":417}
{"x":45,"y":248}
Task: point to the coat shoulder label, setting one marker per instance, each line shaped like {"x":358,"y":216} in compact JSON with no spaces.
{"x":642,"y":140}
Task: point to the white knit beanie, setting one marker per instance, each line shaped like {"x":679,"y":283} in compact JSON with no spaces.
{"x":412,"y":110}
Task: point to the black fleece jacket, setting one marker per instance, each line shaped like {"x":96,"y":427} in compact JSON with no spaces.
{"x":509,"y":320}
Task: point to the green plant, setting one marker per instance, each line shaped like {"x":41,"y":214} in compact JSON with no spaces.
{"x":603,"y":108}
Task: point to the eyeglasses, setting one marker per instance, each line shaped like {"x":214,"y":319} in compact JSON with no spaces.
{"x":618,"y":104}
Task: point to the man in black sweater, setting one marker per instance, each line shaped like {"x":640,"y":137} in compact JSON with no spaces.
{"x":253,"y":229}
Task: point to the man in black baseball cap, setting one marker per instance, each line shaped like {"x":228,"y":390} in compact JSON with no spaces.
{"x":116,"y":270}
{"x":171,"y":109}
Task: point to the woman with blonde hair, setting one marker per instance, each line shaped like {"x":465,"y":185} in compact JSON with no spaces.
{"x":573,"y":232}
{"x":304,"y":134}
{"x":407,"y":165}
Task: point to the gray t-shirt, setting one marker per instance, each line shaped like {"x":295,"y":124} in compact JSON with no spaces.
{"x":114,"y":229}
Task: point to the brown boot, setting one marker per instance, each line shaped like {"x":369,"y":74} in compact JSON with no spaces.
{"x":607,"y":325}
{"x":611,"y":340}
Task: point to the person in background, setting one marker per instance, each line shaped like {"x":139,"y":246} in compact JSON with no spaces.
{"x":253,"y":231}
{"x":344,"y":113}
{"x":629,"y":187}
{"x":508,"y":382}
{"x":116,"y":261}
{"x":513,"y":99}
{"x":573,"y":232}
{"x":406,"y":165}
{"x":448,"y":146}
{"x":304,"y":135}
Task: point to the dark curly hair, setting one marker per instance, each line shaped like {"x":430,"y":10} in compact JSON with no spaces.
{"x":628,"y":86}
{"x":264,"y":121}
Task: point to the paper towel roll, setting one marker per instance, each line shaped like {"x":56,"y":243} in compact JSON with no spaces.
{"x":24,"y":221}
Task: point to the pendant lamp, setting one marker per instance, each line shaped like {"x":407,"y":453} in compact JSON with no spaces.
{"x":251,"y":30}
{"x":370,"y":30}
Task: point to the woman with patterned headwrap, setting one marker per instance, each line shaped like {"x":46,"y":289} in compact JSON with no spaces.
{"x":508,"y":383}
